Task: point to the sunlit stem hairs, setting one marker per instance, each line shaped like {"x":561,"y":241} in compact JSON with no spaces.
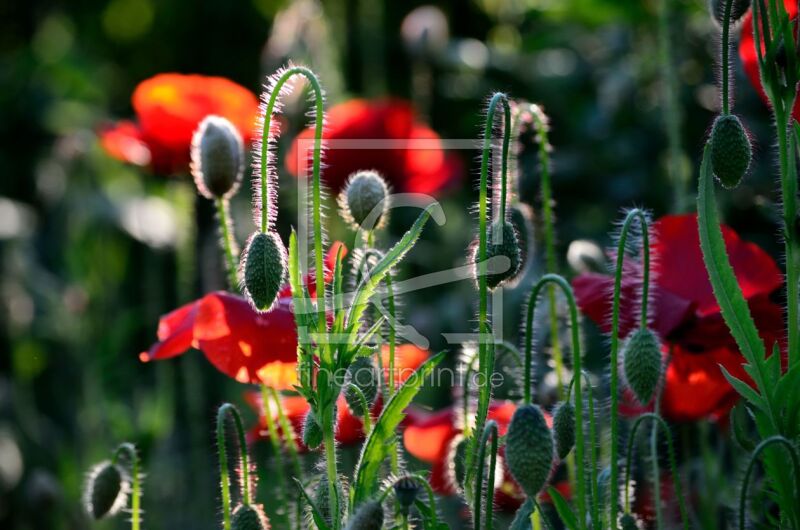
{"x":793,"y":456}
{"x":561,"y":283}
{"x":109,"y":483}
{"x":243,"y":463}
{"x":489,"y":433}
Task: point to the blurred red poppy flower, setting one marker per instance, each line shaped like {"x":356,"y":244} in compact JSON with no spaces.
{"x":240,"y":342}
{"x":168,"y":108}
{"x":433,"y":438}
{"x":414,"y":161}
{"x":349,"y":428}
{"x":686,"y":315}
{"x":749,"y":57}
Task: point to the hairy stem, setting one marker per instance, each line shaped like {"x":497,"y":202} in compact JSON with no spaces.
{"x":129,"y":450}
{"x":224,"y":474}
{"x":780,"y":440}
{"x":489,"y":431}
{"x":228,"y":243}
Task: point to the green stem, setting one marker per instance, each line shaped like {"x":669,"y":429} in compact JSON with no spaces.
{"x":485,"y":347}
{"x":224,"y":476}
{"x":274,"y":438}
{"x":551,"y":263}
{"x":787,"y":146}
{"x":330,"y":462}
{"x":672,"y":462}
{"x":316,"y":206}
{"x":288,"y":434}
{"x":228,"y":243}
{"x":593,"y":457}
{"x":392,"y":332}
{"x":136,"y":487}
{"x":490,"y":430}
{"x":576,"y":363}
{"x":725,"y":58}
{"x":754,"y":458}
{"x":633,"y":215}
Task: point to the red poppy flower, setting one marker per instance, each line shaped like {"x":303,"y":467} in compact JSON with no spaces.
{"x":349,"y":428}
{"x":242,"y":343}
{"x":168,"y":108}
{"x":747,"y":53}
{"x":686,"y":315}
{"x":413,"y":162}
{"x":433,"y":438}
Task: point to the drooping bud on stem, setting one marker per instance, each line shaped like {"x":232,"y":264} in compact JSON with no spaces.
{"x":217,"y":158}
{"x":265,"y":269}
{"x":364,"y":200}
{"x":564,"y":428}
{"x":249,"y":517}
{"x":730,"y":150}
{"x":529,"y":449}
{"x":105,"y":493}
{"x":641,"y":357}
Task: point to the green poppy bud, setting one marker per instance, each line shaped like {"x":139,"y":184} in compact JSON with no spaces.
{"x":368,"y":516}
{"x":321,"y":499}
{"x":217,"y":158}
{"x":738,"y":9}
{"x":529,"y":449}
{"x":106,"y":490}
{"x":628,"y":522}
{"x":564,"y":428}
{"x":249,"y":517}
{"x":730,"y":150}
{"x":456,"y":462}
{"x":312,"y":432}
{"x":641,"y":356}
{"x":498,"y":270}
{"x":406,"y":490}
{"x":264,"y":263}
{"x":365,"y":198}
{"x":363,"y":374}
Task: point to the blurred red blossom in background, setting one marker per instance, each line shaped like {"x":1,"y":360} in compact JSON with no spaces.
{"x":413,"y":162}
{"x":685,"y":313}
{"x":168,"y":108}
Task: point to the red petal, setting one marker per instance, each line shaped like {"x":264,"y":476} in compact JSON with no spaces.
{"x":407,"y":358}
{"x":175,"y":334}
{"x":427,"y":436}
{"x":123,"y":141}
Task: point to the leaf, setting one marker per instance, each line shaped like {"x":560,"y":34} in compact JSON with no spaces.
{"x":319,"y":520}
{"x":738,"y":418}
{"x":745,"y":390}
{"x":369,"y":284}
{"x":299,"y":293}
{"x":723,"y":280}
{"x":377,"y":445}
{"x":562,"y":507}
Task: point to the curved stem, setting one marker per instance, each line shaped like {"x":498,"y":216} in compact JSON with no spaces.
{"x":485,"y":349}
{"x":754,"y":458}
{"x":634,"y":215}
{"x":490,"y":430}
{"x":576,"y":363}
{"x":672,"y":462}
{"x":316,"y":205}
{"x":228,"y":243}
{"x":129,"y":450}
{"x":225,"y":481}
{"x":362,"y":399}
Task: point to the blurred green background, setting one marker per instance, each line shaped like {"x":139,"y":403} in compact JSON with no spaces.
{"x":82,"y":286}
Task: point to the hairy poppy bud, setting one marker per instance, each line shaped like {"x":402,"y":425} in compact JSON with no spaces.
{"x":564,"y":428}
{"x":628,"y":522}
{"x":368,"y":516}
{"x":249,"y":517}
{"x":499,"y":270}
{"x":312,"y":432}
{"x":738,"y":9}
{"x":521,"y":217}
{"x":730,"y":150}
{"x":106,"y":490}
{"x":529,"y":449}
{"x":217,"y":158}
{"x":362,"y":374}
{"x":365,"y":198}
{"x":405,"y":491}
{"x":322,"y":499}
{"x":456,"y":462}
{"x":265,"y":268}
{"x":642,"y":363}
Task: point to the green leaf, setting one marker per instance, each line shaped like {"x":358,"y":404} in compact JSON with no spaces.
{"x":316,"y":514}
{"x":738,"y":419}
{"x":376,"y":447}
{"x":299,"y":293}
{"x":723,"y":280}
{"x":745,"y":390}
{"x":562,"y":507}
{"x":370,"y":283}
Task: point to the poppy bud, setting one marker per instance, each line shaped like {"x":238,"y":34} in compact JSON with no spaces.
{"x":730,"y":150}
{"x":363,"y":375}
{"x":738,"y":9}
{"x":365,"y":192}
{"x":369,"y":516}
{"x":106,"y":490}
{"x":322,"y":499}
{"x":521,"y":217}
{"x":249,"y":517}
{"x":312,"y":432}
{"x":564,"y":428}
{"x":628,"y":522}
{"x":642,"y":363}
{"x":499,"y":271}
{"x":405,"y":491}
{"x":456,"y":462}
{"x":217,"y":158}
{"x":264,"y":263}
{"x":529,"y":449}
